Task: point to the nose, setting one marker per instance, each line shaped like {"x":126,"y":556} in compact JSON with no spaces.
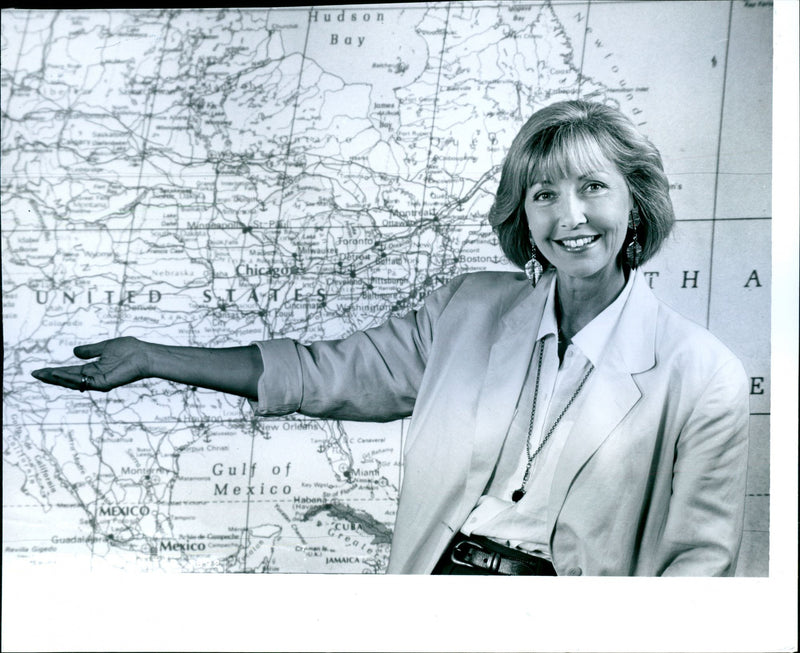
{"x":572,"y":212}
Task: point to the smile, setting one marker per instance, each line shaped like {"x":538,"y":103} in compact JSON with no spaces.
{"x":577,"y":244}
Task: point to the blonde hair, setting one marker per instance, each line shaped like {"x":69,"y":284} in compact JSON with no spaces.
{"x":570,"y":137}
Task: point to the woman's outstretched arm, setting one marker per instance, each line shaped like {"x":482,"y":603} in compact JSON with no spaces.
{"x":119,"y":361}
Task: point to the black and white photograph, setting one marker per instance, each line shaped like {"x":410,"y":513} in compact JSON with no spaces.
{"x":295,"y":297}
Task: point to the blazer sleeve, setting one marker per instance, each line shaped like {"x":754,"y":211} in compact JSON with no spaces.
{"x":704,"y":524}
{"x":372,"y":375}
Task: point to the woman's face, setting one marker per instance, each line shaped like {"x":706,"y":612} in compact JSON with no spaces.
{"x":579,"y":222}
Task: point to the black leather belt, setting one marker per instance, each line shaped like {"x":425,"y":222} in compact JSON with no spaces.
{"x":480,"y":555}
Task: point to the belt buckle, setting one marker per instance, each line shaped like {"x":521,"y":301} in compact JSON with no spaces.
{"x":492,"y":562}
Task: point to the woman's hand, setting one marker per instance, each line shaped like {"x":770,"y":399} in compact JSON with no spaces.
{"x":235,"y":370}
{"x":119,"y":361}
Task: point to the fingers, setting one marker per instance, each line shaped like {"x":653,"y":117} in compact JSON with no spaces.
{"x":91,"y":350}
{"x":75,"y":377}
{"x":70,"y":380}
{"x":96,"y":375}
{"x":42,"y":375}
{"x":67,"y":377}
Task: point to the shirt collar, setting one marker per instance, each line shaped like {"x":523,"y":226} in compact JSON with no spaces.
{"x":593,"y":338}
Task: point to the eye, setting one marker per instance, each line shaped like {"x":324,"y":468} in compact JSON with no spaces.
{"x":594,"y":186}
{"x":543,"y":196}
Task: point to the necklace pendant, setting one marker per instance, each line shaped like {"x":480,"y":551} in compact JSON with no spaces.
{"x":516,"y":495}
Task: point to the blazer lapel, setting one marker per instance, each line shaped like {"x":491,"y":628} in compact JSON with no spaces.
{"x":612,"y":391}
{"x":508,"y":364}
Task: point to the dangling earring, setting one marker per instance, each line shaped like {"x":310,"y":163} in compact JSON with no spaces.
{"x":533,"y":269}
{"x":633,"y":253}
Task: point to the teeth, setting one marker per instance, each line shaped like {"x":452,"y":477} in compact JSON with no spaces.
{"x":574,"y":243}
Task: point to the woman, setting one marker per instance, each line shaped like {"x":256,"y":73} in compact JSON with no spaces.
{"x":563,"y":425}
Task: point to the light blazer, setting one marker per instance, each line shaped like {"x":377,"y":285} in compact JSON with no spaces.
{"x":651,"y":480}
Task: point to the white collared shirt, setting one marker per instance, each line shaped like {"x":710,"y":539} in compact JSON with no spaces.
{"x":524,"y":524}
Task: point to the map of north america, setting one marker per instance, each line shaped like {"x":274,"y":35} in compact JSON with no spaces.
{"x":218,"y":177}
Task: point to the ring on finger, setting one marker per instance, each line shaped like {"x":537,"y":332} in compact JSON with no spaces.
{"x":84,"y":383}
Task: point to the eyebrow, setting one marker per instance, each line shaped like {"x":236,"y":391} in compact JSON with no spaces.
{"x":586,"y":175}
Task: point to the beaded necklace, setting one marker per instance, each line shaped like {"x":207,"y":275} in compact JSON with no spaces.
{"x":520,"y":492}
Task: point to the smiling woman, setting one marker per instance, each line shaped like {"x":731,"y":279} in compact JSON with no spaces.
{"x":579,"y":224}
{"x":564,"y":424}
{"x":570,"y":196}
{"x":572,"y":139}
